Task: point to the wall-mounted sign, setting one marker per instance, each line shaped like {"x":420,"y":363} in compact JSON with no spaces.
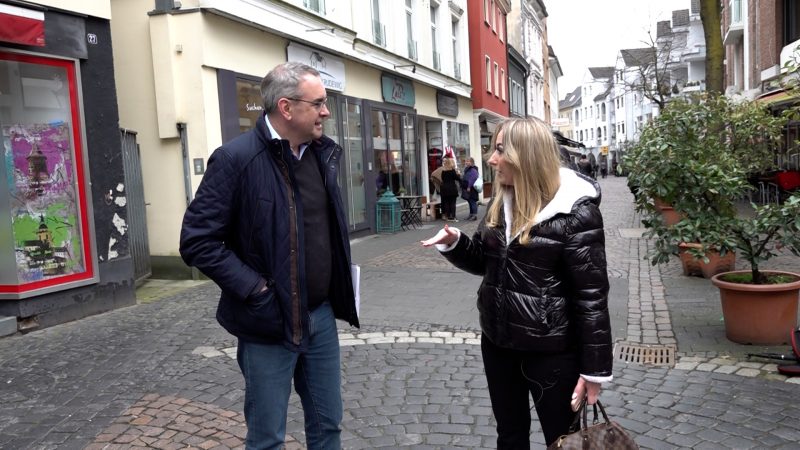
{"x":21,"y":25}
{"x":397,"y":90}
{"x":446,"y":104}
{"x":331,"y":68}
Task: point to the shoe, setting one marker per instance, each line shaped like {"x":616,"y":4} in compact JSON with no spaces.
{"x":473,"y":218}
{"x":453,"y":220}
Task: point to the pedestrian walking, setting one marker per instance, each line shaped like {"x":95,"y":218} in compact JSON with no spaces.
{"x":543,"y":301}
{"x":468,"y":192}
{"x":268,"y":226}
{"x":585,"y":167}
{"x":449,"y":189}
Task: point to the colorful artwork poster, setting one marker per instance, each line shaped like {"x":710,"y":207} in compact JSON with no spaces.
{"x":44,"y":201}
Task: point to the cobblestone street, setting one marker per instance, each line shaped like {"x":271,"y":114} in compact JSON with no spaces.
{"x":162,"y":374}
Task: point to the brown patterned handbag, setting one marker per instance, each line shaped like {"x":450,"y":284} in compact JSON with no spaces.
{"x":600,"y":435}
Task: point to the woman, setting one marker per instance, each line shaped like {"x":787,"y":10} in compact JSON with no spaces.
{"x":543,"y":300}
{"x":449,"y":189}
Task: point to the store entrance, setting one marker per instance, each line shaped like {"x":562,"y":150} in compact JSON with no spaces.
{"x":394,"y":157}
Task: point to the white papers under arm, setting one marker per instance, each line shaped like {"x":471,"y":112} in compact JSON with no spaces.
{"x":355,"y":273}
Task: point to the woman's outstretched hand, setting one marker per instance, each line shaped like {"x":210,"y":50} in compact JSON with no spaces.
{"x":446,"y":236}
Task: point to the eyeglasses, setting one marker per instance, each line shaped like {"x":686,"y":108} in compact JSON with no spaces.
{"x":317,"y":104}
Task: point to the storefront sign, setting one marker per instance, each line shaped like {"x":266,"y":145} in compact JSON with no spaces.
{"x":397,"y":90}
{"x":21,"y":25}
{"x":330,"y":68}
{"x":446,"y":104}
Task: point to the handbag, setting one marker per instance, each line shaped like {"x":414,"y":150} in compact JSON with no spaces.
{"x":478,"y":185}
{"x":601,"y":435}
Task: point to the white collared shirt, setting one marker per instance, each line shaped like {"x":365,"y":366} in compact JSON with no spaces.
{"x":275,"y":135}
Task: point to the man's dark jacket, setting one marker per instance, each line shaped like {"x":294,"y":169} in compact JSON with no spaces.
{"x":551,"y":294}
{"x":245,"y":228}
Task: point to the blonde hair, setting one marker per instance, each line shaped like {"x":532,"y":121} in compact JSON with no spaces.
{"x":531,"y":151}
{"x":448,"y":163}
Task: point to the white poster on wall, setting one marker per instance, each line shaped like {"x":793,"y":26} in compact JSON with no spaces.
{"x":330,"y":67}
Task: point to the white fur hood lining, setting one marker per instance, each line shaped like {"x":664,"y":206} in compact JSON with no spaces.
{"x":572,"y":189}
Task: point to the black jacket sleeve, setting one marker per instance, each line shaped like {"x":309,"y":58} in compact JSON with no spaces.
{"x":585,"y":256}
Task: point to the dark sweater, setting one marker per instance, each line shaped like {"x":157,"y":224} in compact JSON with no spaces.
{"x":316,"y":228}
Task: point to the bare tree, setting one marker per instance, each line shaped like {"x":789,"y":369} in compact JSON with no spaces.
{"x":710,"y":15}
{"x":650,"y":71}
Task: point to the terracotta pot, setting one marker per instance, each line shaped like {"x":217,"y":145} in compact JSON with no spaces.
{"x":670,"y":216}
{"x":693,"y":267}
{"x":762,"y":314}
{"x":660,"y":204}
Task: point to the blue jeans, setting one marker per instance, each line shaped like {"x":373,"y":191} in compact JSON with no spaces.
{"x":473,"y":207}
{"x":268,"y":372}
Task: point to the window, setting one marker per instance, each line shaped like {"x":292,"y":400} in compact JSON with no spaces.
{"x":456,"y":65}
{"x":434,"y":41}
{"x":503,"y":84}
{"x":494,"y":17}
{"x":488,"y":74}
{"x":41,"y":130}
{"x":378,"y":30}
{"x":501,"y":27}
{"x":791,"y":22}
{"x":496,"y":80}
{"x":318,"y":6}
{"x":412,"y":44}
{"x":486,"y":11}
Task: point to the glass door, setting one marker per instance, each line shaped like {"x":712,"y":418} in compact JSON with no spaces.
{"x":395,"y":154}
{"x":354,"y":167}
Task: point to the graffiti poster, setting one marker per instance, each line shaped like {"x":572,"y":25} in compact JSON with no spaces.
{"x":44,"y":201}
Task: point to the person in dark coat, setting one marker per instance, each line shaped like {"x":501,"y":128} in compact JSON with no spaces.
{"x":468,"y":192}
{"x":268,"y":226}
{"x":543,"y":301}
{"x":449,"y":189}
{"x":585,"y":167}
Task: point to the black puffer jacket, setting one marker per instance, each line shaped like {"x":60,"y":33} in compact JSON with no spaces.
{"x":551,"y":293}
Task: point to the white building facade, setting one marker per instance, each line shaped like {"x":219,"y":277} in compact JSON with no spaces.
{"x":398,"y":91}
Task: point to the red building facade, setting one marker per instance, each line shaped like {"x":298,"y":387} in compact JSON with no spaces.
{"x":489,"y":62}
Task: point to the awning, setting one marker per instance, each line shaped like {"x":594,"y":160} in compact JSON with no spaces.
{"x":777,"y":97}
{"x":21,"y":25}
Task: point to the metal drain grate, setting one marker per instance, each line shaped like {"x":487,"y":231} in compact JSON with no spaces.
{"x":650,"y":355}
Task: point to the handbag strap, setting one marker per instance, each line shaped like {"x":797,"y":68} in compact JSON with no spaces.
{"x":584,"y":412}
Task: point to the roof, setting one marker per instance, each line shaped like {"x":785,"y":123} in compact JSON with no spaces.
{"x":604,"y":94}
{"x":680,"y":18}
{"x":572,"y":99}
{"x":663,"y":28}
{"x":601,"y":72}
{"x":635,"y":57}
{"x":554,"y":60}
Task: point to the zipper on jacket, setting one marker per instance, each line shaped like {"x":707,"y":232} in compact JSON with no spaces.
{"x":297,"y":328}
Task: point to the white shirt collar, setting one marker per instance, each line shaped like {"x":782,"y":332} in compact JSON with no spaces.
{"x":275,"y":135}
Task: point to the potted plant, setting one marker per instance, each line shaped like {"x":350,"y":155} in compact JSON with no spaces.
{"x":710,"y":147}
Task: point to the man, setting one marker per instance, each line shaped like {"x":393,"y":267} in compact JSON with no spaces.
{"x":585,"y":167}
{"x":268,"y":226}
{"x":468,"y":192}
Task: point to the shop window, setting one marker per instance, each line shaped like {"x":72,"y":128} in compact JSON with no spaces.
{"x":248,"y":99}
{"x":44,"y":197}
{"x":458,"y":141}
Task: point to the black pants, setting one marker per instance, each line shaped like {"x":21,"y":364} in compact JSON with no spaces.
{"x":549,"y":377}
{"x":449,"y":206}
